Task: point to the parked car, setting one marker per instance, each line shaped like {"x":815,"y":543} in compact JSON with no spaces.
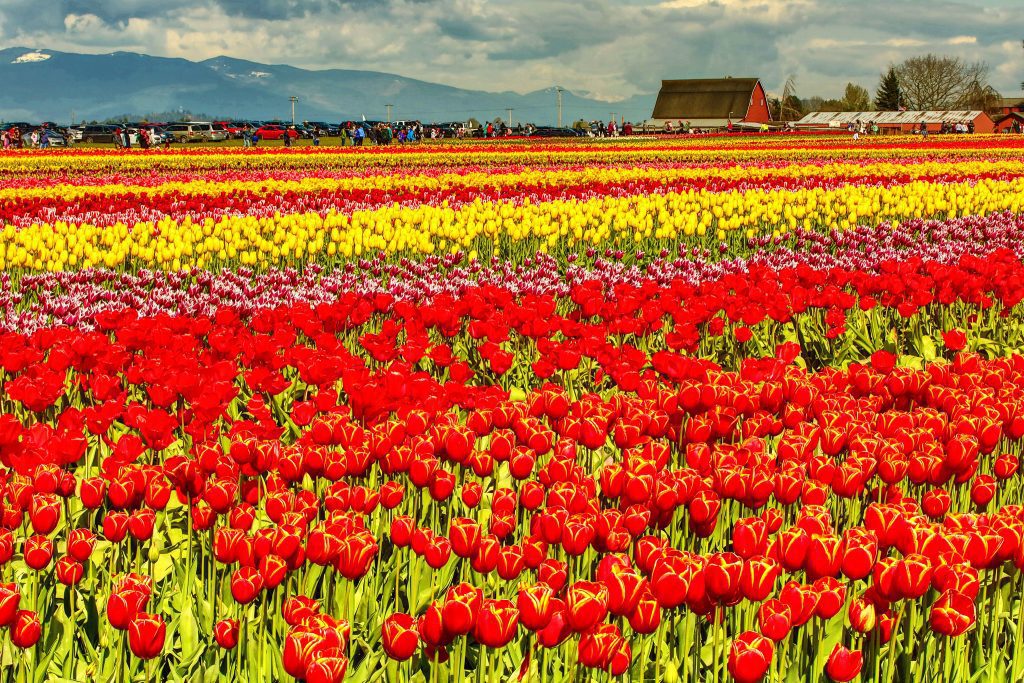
{"x":233,"y":128}
{"x":274,"y":131}
{"x":552,"y":132}
{"x":323,"y":129}
{"x":54,"y":138}
{"x":97,"y":133}
{"x":196,"y":131}
{"x":452,"y":129}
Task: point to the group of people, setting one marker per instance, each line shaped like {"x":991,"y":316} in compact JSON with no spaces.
{"x":957,"y":128}
{"x":143,"y":136}
{"x":600,"y":129}
{"x":13,"y":138}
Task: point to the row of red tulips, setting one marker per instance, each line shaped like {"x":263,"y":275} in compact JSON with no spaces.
{"x":233,"y":468}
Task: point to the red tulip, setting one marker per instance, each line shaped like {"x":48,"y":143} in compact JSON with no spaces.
{"x":758,"y":577}
{"x":115,"y":526}
{"x":913,"y":576}
{"x":722,"y":575}
{"x":38,"y":552}
{"x":69,"y":571}
{"x":749,"y":657}
{"x":554,"y":573}
{"x":952,"y":614}
{"x":80,"y":544}
{"x":775,"y":619}
{"x":496,"y":623}
{"x":25,"y":629}
{"x":401,"y":531}
{"x":399,"y":637}
{"x":92,"y":492}
{"x":225,"y":632}
{"x":954,"y":340}
{"x":587,"y":604}
{"x":300,"y":647}
{"x":486,"y":557}
{"x":44,"y":513}
{"x":831,"y":597}
{"x":472,"y":492}
{"x":861,"y":614}
{"x":843,"y":664}
{"x":9,"y":601}
{"x":535,"y":606}
{"x":458,"y":613}
{"x":246,"y":585}
{"x":465,"y":535}
{"x":646,"y":616}
{"x":273,"y":570}
{"x":298,"y":608}
{"x":141,"y":523}
{"x":6,"y":545}
{"x":791,"y":548}
{"x":123,"y":605}
{"x":146,"y":634}
{"x":328,"y":667}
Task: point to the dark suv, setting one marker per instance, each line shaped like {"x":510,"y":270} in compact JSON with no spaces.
{"x":323,"y":129}
{"x":98,"y":133}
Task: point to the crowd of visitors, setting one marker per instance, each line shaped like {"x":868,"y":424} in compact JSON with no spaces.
{"x":16,"y":138}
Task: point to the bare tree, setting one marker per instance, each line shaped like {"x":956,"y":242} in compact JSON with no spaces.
{"x":934,"y":82}
{"x":791,"y":109}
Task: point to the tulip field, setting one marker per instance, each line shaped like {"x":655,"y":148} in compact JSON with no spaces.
{"x":721,"y":408}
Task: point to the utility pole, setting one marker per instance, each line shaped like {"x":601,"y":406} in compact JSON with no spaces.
{"x":293,"y":99}
{"x":509,"y":122}
{"x":559,"y":106}
{"x":389,"y":106}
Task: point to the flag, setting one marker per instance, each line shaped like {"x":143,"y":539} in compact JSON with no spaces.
{"x":364,"y":118}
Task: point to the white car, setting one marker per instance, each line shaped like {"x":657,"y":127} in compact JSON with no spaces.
{"x":196,"y":131}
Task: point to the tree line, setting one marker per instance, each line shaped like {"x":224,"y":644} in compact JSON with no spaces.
{"x":927,"y":82}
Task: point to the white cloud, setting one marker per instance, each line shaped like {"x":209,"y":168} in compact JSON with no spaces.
{"x":616,"y":48}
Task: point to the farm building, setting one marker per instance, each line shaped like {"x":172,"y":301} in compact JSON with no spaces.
{"x":895,"y":121}
{"x":711,"y":103}
{"x":1011,"y":111}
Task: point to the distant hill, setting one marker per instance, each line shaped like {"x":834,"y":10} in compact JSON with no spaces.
{"x":40,"y":84}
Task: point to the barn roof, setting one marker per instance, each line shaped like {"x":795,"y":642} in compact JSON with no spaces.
{"x":825,"y":118}
{"x":704,"y":98}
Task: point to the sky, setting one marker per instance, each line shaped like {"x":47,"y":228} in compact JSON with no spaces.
{"x":608,"y":50}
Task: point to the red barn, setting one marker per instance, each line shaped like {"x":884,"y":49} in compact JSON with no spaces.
{"x":1011,"y":111}
{"x":711,"y":103}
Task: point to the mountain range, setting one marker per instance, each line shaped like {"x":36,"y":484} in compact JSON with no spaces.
{"x":42,"y":84}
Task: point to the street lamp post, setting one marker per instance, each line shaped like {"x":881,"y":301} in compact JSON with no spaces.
{"x":293,"y":99}
{"x":389,"y":106}
{"x":560,"y":91}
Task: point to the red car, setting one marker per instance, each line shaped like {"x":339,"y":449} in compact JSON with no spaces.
{"x":230,"y":126}
{"x":275,"y":132}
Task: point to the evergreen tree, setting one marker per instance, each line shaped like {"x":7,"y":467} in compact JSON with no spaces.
{"x":889,"y":97}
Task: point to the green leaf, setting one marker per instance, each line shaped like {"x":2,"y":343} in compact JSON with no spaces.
{"x":926,"y":347}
